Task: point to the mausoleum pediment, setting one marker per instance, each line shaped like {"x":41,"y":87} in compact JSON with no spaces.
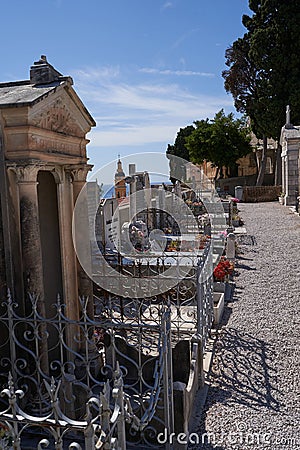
{"x":59,"y":114}
{"x":43,"y":118}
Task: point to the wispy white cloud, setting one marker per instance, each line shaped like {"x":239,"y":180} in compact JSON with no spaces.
{"x":167,"y":5}
{"x":140,"y":113}
{"x":133,"y":135}
{"x":185,"y":36}
{"x":179,"y":73}
{"x":92,"y":74}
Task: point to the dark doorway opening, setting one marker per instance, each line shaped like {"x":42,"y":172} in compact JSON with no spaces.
{"x":50,"y":240}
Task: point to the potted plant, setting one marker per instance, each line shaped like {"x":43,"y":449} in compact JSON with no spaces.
{"x":234,"y":201}
{"x":223,"y":270}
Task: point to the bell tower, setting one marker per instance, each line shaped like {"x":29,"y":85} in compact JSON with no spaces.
{"x":120,"y":185}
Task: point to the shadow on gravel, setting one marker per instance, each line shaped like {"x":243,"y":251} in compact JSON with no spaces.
{"x":242,"y":375}
{"x":235,"y":297}
{"x":238,"y":265}
{"x":227,"y":313}
{"x":243,"y":367}
{"x":238,"y":258}
{"x":246,"y":239}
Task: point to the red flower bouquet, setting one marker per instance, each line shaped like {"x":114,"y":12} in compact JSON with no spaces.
{"x":223,"y":269}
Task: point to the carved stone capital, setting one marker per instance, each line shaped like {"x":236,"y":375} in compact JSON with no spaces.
{"x":26,"y":174}
{"x":57,"y":172}
{"x":79,"y":172}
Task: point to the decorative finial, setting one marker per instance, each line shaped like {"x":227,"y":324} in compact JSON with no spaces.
{"x":288,"y":115}
{"x":119,"y":156}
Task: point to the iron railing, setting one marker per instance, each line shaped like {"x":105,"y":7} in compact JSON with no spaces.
{"x":104,"y":382}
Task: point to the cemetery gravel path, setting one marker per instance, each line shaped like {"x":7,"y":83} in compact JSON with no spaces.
{"x":254,"y":385}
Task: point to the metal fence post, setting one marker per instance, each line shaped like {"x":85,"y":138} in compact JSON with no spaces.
{"x":118,"y":394}
{"x":167,"y":374}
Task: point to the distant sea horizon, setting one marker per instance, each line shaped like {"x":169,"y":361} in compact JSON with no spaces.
{"x":108,"y":190}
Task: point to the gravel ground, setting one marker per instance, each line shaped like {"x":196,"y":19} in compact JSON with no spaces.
{"x":253,"y":397}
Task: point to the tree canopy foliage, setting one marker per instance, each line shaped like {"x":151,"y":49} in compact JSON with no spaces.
{"x":179,"y":148}
{"x":221,"y":141}
{"x":263,"y":73}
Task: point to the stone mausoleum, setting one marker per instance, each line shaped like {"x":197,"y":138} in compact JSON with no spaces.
{"x":43,"y":167}
{"x":290,"y":142}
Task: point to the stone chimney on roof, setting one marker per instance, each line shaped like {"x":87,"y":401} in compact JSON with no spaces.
{"x":42,"y":72}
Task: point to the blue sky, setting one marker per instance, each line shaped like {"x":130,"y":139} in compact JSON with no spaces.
{"x":143,"y":68}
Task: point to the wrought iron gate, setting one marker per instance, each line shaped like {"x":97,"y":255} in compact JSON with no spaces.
{"x":99,"y":383}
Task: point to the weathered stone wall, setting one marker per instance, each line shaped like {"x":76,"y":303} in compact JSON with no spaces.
{"x":228,"y":184}
{"x":261,"y":193}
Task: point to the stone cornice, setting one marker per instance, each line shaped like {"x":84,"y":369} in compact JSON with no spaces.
{"x":27,"y":138}
{"x":29,"y":128}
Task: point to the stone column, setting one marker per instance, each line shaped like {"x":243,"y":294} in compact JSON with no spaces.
{"x":292,"y":174}
{"x":85,"y":285}
{"x":3,"y":282}
{"x":69,"y":264}
{"x":283,"y":173}
{"x":132,"y":199}
{"x":31,"y":247}
{"x":30,"y":231}
{"x":286,"y":178}
{"x":299,"y":170}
